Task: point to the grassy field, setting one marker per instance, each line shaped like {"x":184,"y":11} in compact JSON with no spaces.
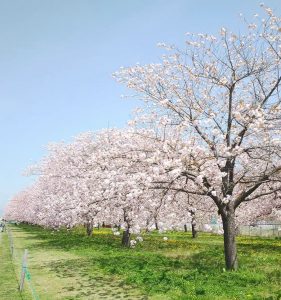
{"x":69,"y":265}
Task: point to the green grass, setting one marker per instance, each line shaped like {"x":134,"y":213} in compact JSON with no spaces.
{"x":9,"y":273}
{"x":77,"y":267}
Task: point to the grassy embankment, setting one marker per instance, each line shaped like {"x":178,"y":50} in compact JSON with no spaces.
{"x":9,"y":273}
{"x":69,"y":265}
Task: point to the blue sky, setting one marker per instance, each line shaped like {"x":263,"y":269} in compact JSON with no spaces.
{"x":57,"y":57}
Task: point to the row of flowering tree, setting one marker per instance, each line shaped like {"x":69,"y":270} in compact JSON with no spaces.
{"x":131,"y":179}
{"x":107,"y":177}
{"x":206,"y":140}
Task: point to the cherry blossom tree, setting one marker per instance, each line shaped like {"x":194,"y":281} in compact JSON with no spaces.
{"x":71,"y":183}
{"x":108,"y":177}
{"x":222,"y":96}
{"x":131,"y":201}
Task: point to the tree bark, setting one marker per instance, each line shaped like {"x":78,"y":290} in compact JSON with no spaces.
{"x":193,"y":225}
{"x":185,"y":228}
{"x":126,"y":238}
{"x":89,"y":228}
{"x":156,"y":225}
{"x":230,"y":249}
{"x":194,"y":231}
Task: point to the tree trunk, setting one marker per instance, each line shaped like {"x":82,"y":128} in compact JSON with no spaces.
{"x":193,"y":225}
{"x":156,"y":225}
{"x":89,"y":228}
{"x":185,"y":228}
{"x":126,"y":238}
{"x":230,"y":250}
{"x":146,"y":225}
{"x":194,"y":231}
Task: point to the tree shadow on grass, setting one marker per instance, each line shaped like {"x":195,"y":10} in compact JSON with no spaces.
{"x":64,"y":240}
{"x":271,"y":246}
{"x":90,"y":283}
{"x":199,"y":274}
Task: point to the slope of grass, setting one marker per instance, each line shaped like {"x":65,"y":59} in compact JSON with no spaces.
{"x":57,"y":273}
{"x":8,"y":273}
{"x":180,"y":268}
